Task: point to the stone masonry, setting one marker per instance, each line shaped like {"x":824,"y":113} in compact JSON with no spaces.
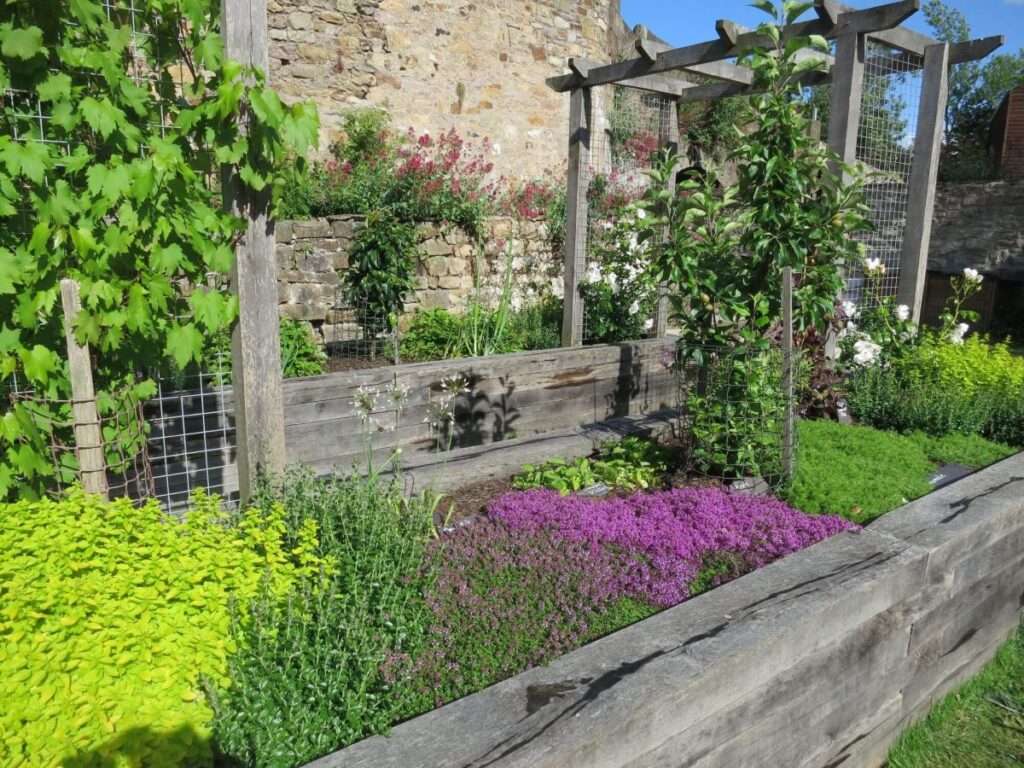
{"x":979,"y":226}
{"x":436,"y":64}
{"x":312,"y":257}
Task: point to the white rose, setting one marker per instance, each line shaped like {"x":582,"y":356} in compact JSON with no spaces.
{"x":866,"y":352}
{"x":874,"y":265}
{"x":902,"y":312}
{"x":593,"y":273}
{"x":849,"y":309}
{"x":972,"y":275}
{"x":957,"y":336}
{"x":613,"y":282}
{"x":634,"y":307}
{"x":641,"y":214}
{"x":648,"y":324}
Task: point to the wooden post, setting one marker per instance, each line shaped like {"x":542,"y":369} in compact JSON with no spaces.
{"x":580,"y":119}
{"x":670,"y":141}
{"x":92,"y":467}
{"x":255,"y":343}
{"x":923,"y":176}
{"x":847,"y":92}
{"x":788,"y":365}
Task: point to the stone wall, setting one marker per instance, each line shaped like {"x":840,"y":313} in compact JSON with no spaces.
{"x":476,"y":66}
{"x":979,"y":226}
{"x":313,"y":255}
{"x":817,"y":660}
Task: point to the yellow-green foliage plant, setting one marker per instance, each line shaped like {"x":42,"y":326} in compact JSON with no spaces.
{"x":972,"y":367}
{"x":112,"y":615}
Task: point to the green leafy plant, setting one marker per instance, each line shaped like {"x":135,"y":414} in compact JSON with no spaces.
{"x":430,"y":335}
{"x":629,"y":464}
{"x":382,"y":269}
{"x":114,"y":185}
{"x":482,"y":331}
{"x":300,"y":356}
{"x":112,"y":613}
{"x":307,"y":679}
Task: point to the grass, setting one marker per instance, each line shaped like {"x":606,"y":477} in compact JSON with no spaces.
{"x":980,"y":725}
{"x":861,"y":473}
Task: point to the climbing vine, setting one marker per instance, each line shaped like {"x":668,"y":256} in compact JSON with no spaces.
{"x":114,"y":128}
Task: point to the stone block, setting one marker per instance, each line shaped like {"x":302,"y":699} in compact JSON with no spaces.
{"x":316,"y":261}
{"x":450,"y":282}
{"x":283,"y":231}
{"x":434,"y":299}
{"x":313,"y":228}
{"x":344,"y":229}
{"x":339,"y":260}
{"x":436,"y":266}
{"x":436,"y":247}
{"x":457,"y":266}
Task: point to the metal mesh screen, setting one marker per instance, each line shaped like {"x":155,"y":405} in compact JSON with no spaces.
{"x":885,"y":144}
{"x":630,"y":126}
{"x":357,"y":335}
{"x":192,"y":433}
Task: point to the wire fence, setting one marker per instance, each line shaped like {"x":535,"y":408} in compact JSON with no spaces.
{"x":631,"y":126}
{"x":885,"y":144}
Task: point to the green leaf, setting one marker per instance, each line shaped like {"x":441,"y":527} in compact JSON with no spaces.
{"x":20,"y":43}
{"x":764,"y":5}
{"x":167,"y":258}
{"x":38,"y":362}
{"x":102,"y":116}
{"x":184,"y":344}
{"x":208,"y":308}
{"x":56,"y":86}
{"x":29,"y":159}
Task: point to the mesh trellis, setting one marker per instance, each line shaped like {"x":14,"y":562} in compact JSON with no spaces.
{"x":120,"y":437}
{"x":359,"y":333}
{"x":885,"y":145}
{"x":630,"y":126}
{"x":732,"y":406}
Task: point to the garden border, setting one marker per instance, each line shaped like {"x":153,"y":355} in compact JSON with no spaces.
{"x":819,"y":659}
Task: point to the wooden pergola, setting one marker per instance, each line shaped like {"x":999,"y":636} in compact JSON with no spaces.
{"x":656,"y":68}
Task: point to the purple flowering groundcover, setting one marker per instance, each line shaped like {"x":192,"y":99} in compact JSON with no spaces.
{"x":544,"y":574}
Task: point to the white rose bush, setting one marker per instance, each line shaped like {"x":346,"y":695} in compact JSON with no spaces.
{"x":619,"y":293}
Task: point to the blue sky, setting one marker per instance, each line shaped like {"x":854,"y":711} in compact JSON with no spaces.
{"x":690,"y":21}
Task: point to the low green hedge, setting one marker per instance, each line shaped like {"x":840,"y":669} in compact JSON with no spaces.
{"x":861,"y":473}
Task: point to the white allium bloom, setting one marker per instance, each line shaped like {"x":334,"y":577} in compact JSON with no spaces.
{"x":902,"y":312}
{"x":649,"y":323}
{"x":874,"y":265}
{"x":972,"y":275}
{"x":866,"y":352}
{"x":849,"y":309}
{"x":641,"y":214}
{"x":593,"y":273}
{"x":634,"y":307}
{"x":957,"y":336}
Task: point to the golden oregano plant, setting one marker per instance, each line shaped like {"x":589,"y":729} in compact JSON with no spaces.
{"x":116,"y":122}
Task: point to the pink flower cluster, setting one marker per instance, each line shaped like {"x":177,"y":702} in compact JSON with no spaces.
{"x":664,"y":540}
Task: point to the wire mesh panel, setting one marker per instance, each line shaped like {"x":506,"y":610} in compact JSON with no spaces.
{"x":733,"y":407}
{"x":357,"y":335}
{"x":192,"y":433}
{"x":885,"y":145}
{"x":630,"y":127}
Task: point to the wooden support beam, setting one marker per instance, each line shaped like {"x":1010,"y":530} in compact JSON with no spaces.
{"x":718,"y":70}
{"x":881,"y":18}
{"x":828,"y":10}
{"x":923,"y":176}
{"x":847,"y":94}
{"x":580,"y":135}
{"x":788,"y":376}
{"x":255,"y":343}
{"x":974,"y":50}
{"x":899,"y":37}
{"x":716,"y":91}
{"x":92,"y":466}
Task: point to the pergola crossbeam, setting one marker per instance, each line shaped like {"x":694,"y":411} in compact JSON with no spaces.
{"x":717,"y":70}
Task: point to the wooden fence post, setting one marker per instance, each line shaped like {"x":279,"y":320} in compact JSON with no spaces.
{"x":924,"y":174}
{"x":580,"y":126}
{"x":788,"y":379}
{"x":92,"y":467}
{"x":255,"y":342}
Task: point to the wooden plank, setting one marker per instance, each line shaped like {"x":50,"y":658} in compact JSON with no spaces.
{"x":255,"y":346}
{"x":92,"y":468}
{"x":901,"y":38}
{"x":973,"y":50}
{"x":923,"y":177}
{"x":580,"y":128}
{"x":719,"y":70}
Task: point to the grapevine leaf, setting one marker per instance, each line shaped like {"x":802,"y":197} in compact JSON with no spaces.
{"x":184,"y":344}
{"x":38,"y":362}
{"x":21,"y":42}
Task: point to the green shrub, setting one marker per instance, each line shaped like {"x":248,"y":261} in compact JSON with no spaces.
{"x":537,"y":325}
{"x":111,"y":614}
{"x":940,"y":388}
{"x":382,"y":269}
{"x":970,"y":450}
{"x":430,"y":335}
{"x":300,"y":356}
{"x":307,"y":680}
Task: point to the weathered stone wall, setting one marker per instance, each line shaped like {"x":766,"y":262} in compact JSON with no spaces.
{"x":476,"y":66}
{"x":979,"y":226}
{"x":819,"y":659}
{"x":313,"y":255}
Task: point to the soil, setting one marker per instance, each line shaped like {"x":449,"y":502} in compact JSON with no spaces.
{"x":344,"y":364}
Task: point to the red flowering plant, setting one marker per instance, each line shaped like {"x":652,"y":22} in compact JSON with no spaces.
{"x":415,"y":177}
